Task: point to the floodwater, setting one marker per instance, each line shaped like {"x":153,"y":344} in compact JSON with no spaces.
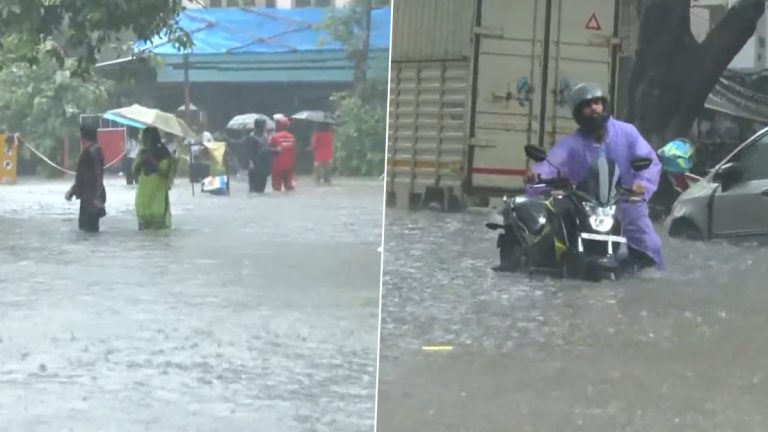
{"x":252,"y":313}
{"x":680,"y":351}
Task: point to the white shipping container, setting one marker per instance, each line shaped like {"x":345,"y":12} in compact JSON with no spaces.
{"x":431,"y":29}
{"x":508,"y":88}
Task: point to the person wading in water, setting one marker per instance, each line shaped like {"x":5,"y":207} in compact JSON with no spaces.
{"x":154,"y":169}
{"x":89,"y":181}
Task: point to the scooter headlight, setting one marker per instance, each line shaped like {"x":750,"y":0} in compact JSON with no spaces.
{"x":602,"y":224}
{"x":601,"y":219}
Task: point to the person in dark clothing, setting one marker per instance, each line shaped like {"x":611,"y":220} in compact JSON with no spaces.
{"x":89,"y":181}
{"x":260,"y":157}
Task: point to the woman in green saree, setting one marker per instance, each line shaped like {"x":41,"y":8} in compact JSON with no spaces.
{"x":154,"y":169}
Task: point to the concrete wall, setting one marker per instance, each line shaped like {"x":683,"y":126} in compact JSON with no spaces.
{"x":700,"y":22}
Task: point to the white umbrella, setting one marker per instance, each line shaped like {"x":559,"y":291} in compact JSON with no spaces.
{"x":245,"y":121}
{"x":315,"y":116}
{"x":153,"y":117}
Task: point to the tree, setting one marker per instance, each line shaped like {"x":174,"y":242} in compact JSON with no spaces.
{"x":79,"y":28}
{"x":351,"y":28}
{"x":43,"y":102}
{"x":361,"y":131}
{"x":360,"y":138}
{"x":673,"y":74}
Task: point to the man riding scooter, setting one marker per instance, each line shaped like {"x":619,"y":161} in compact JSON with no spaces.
{"x":599,"y":135}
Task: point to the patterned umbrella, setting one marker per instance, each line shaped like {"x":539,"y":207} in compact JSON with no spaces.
{"x":315,"y":116}
{"x":245,"y":121}
{"x":153,"y":117}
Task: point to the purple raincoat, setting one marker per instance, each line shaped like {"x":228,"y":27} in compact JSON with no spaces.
{"x":575,"y":155}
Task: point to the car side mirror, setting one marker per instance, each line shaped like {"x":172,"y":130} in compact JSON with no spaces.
{"x":641,"y":163}
{"x":728,"y":175}
{"x":537,"y":154}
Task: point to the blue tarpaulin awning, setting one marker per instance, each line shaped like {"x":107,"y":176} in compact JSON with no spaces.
{"x":122,"y":120}
{"x":265,"y":45}
{"x":263,"y":30}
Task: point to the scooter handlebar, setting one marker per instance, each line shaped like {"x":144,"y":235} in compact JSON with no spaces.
{"x":630,"y":195}
{"x":560,"y":183}
{"x":555,"y":183}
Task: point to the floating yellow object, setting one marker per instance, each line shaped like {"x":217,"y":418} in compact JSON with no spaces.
{"x":437,"y":348}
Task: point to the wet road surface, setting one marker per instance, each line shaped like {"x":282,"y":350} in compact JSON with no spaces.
{"x":682,"y":351}
{"x":252,"y":313}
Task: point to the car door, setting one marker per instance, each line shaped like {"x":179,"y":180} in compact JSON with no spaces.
{"x":743,"y":209}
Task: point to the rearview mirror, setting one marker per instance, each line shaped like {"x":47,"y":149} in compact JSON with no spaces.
{"x":537,"y":154}
{"x":728,"y":175}
{"x":641,"y":163}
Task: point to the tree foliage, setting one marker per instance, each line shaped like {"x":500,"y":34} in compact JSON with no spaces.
{"x":47,"y":52}
{"x":361,"y":131}
{"x":351,"y":27}
{"x":78,"y":29}
{"x":43,"y":102}
{"x":360,"y":137}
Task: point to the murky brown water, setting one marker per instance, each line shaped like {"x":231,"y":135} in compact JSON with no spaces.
{"x":683,"y":351}
{"x":252,"y":313}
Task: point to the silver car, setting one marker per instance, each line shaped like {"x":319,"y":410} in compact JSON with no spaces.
{"x":731,"y":201}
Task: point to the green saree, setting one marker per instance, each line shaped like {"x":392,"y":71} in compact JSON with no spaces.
{"x":153,"y":208}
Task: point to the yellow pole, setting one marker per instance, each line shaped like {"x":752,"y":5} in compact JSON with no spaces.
{"x":9,"y":157}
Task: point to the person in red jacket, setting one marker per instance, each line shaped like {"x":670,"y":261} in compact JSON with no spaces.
{"x":322,"y":145}
{"x":282,"y":165}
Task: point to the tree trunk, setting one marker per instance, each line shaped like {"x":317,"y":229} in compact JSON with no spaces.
{"x":361,"y":68}
{"x":673,"y":74}
{"x":65,"y":155}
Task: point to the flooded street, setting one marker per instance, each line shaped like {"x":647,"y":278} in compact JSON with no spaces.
{"x":682,"y":351}
{"x":252,"y":313}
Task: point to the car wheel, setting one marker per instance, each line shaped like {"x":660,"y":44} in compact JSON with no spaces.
{"x":685,"y":229}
